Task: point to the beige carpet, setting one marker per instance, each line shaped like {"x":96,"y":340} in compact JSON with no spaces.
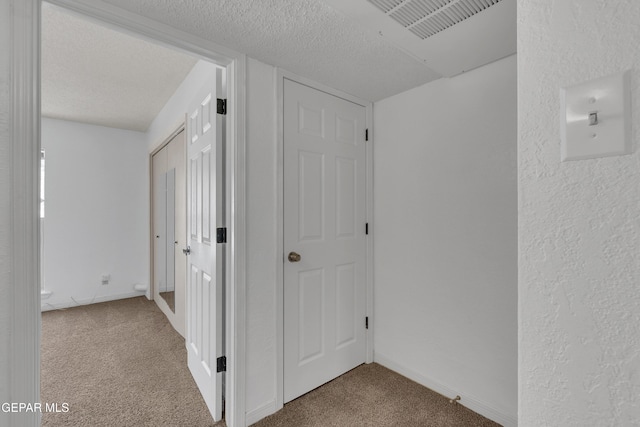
{"x":121,"y":364}
{"x":117,"y":364}
{"x":372,"y":395}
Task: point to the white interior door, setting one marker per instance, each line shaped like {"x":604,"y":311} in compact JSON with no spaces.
{"x":324,"y":224}
{"x":205,"y":130}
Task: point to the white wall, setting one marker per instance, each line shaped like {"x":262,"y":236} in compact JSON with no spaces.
{"x":445,"y":237}
{"x":579,"y":227}
{"x":96,"y":212}
{"x":262,"y":258}
{"x":173,"y":112}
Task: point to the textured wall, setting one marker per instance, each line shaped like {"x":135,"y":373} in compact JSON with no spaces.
{"x":446,"y":237}
{"x":579,"y":229}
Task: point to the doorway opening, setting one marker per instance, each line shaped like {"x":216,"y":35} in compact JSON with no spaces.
{"x":233,"y":66}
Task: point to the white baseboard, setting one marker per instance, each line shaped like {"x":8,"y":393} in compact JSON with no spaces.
{"x":477,"y":405}
{"x":260,"y":412}
{"x":75,"y":303}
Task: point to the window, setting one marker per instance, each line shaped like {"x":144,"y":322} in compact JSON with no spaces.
{"x":42,"y":288}
{"x":41,"y":185}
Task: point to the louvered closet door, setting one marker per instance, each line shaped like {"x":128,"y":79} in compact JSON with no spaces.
{"x":205,"y":139}
{"x":324,"y":223}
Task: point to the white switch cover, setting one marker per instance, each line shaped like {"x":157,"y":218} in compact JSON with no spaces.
{"x":586,"y":135}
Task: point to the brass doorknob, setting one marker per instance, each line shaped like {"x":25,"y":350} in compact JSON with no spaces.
{"x":294,"y":257}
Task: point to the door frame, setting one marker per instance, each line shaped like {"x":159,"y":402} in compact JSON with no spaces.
{"x":281,"y":75}
{"x":24,"y":130}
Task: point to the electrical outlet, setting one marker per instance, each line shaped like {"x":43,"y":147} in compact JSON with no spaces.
{"x":105,"y":279}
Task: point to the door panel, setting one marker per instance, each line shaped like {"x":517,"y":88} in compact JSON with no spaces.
{"x":311,"y":197}
{"x":311,"y":316}
{"x":345,"y":304}
{"x":345,"y":198}
{"x":324,"y":222}
{"x":206,"y":279}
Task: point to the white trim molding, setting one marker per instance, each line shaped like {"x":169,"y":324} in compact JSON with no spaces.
{"x":472,"y":402}
{"x":45,"y":306}
{"x":261,"y":412}
{"x":371,"y":235}
{"x":25,"y":139}
{"x":148,"y":29}
{"x":235,"y":336}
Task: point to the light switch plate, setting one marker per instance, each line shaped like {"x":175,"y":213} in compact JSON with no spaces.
{"x":586,"y":135}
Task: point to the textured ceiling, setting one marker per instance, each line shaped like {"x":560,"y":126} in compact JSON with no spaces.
{"x":449,"y":36}
{"x":96,"y":75}
{"x":307,"y":37}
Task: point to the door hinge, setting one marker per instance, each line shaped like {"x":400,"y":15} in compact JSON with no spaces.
{"x":221,"y":235}
{"x":366,"y":322}
{"x":366,"y":228}
{"x":222,"y":106}
{"x":221,"y":364}
{"x":366,"y":134}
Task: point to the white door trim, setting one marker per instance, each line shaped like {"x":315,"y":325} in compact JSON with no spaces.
{"x":281,"y":75}
{"x":23,"y":264}
{"x":25,"y":135}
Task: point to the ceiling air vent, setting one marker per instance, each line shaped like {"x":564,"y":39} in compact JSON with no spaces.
{"x":424,"y":18}
{"x":448,"y":36}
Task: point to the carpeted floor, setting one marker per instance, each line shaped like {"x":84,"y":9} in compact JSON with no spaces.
{"x":121,"y":364}
{"x":118,"y":364}
{"x":373,"y":396}
{"x":170,"y":299}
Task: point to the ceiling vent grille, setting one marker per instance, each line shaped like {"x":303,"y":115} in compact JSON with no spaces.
{"x":425,"y":18}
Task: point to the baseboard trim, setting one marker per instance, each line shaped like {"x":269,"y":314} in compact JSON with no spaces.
{"x":471,"y":402}
{"x":86,"y":301}
{"x":261,"y":411}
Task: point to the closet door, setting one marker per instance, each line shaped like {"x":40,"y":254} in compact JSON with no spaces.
{"x":159,"y":176}
{"x":176,"y":164}
{"x":169,"y":230}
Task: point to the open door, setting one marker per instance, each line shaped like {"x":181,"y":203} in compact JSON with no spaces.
{"x":205,"y":275}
